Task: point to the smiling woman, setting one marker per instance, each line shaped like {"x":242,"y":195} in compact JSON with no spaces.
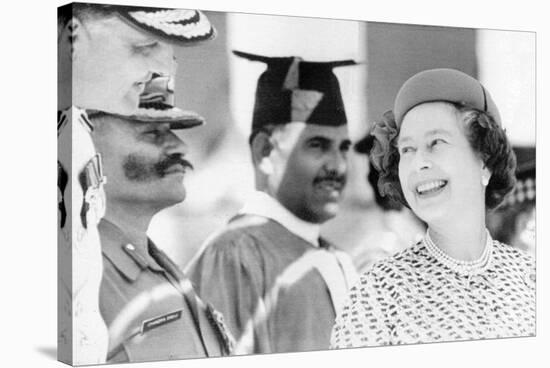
{"x":438,"y":167}
{"x":446,"y":157}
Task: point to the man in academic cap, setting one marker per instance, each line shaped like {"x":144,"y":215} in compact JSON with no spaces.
{"x":107,"y":56}
{"x":277,"y":282}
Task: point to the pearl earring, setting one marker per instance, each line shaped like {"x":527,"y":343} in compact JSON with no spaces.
{"x":484,"y":181}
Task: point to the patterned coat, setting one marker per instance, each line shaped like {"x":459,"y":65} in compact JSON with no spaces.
{"x":413,"y":298}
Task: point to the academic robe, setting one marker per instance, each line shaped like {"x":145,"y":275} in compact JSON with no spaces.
{"x":264,"y":280}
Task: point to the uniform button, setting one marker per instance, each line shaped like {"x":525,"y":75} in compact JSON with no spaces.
{"x":130,"y":247}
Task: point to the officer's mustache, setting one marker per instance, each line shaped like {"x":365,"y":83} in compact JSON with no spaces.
{"x":176,"y":159}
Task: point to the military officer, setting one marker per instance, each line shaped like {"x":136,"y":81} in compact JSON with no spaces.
{"x":148,"y":303}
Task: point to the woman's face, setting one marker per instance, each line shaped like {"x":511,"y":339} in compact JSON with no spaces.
{"x":440,"y":174}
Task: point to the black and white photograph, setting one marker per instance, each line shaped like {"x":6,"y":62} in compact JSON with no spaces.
{"x":236,"y":184}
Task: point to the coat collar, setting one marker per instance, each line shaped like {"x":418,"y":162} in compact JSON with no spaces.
{"x":126,"y":257}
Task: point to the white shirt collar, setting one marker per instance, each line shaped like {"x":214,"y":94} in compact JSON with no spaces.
{"x":262,"y":204}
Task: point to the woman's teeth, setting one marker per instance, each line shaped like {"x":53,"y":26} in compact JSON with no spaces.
{"x":430,"y":186}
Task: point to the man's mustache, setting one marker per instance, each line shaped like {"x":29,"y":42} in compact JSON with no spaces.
{"x":339,"y":178}
{"x":162,"y":166}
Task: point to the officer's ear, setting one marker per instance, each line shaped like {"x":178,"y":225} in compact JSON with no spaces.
{"x":261,"y":147}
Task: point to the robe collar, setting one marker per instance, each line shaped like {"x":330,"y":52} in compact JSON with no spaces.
{"x":262,"y":204}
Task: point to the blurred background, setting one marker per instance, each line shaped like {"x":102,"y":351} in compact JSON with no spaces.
{"x":220,"y":86}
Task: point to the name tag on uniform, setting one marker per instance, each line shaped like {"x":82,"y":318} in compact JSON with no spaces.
{"x":155,"y":322}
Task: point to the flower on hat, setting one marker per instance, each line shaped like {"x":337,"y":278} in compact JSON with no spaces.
{"x":383,"y":154}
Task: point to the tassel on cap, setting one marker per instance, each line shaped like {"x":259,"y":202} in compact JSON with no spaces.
{"x":291,"y":89}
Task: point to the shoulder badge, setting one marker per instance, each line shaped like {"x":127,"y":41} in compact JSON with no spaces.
{"x":216,"y":320}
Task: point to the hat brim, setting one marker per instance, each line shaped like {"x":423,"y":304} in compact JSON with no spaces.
{"x":446,"y":85}
{"x":176,"y":117}
{"x":179,"y":26}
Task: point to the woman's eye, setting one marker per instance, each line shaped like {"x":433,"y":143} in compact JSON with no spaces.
{"x":437,"y":141}
{"x":406,"y":149}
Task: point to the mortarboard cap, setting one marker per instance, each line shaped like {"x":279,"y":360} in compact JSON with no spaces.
{"x":291,"y":89}
{"x":443,"y":85}
{"x":181,"y":26}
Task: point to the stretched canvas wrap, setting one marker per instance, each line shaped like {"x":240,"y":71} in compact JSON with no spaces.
{"x":215,"y":196}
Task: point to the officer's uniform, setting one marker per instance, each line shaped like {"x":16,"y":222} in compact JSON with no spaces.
{"x":147,"y":302}
{"x":150,"y":308}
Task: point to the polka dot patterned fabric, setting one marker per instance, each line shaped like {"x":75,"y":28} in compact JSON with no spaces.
{"x":413,"y":298}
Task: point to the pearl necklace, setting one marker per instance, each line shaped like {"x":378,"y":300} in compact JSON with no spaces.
{"x":466,"y":268}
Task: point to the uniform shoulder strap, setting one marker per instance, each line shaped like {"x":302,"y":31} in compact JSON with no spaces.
{"x":203,"y":314}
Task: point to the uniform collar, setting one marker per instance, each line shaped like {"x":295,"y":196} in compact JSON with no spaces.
{"x":262,"y":204}
{"x":126,"y":257}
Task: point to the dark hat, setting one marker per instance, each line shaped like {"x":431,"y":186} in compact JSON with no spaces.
{"x":443,"y":85}
{"x":526,"y":172}
{"x":156,"y":104}
{"x":291,"y":89}
{"x":182,"y":26}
